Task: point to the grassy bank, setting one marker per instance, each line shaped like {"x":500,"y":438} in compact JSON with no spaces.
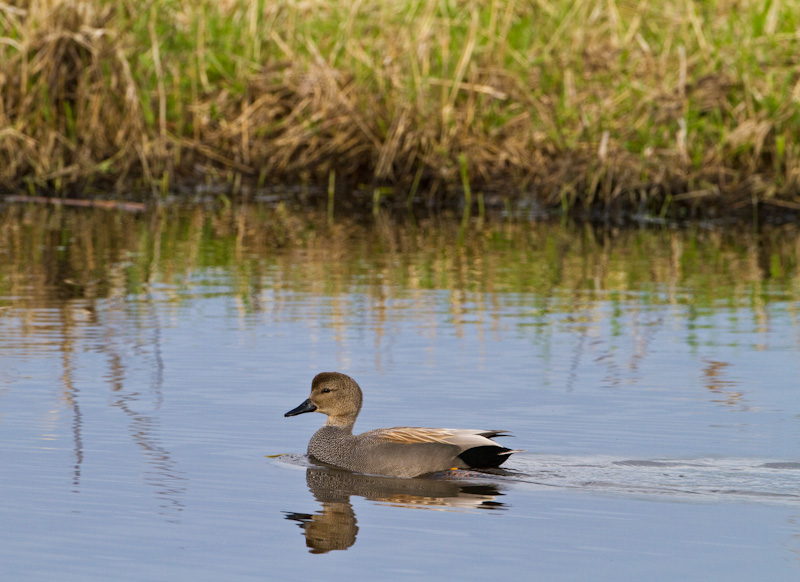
{"x":673,"y":107}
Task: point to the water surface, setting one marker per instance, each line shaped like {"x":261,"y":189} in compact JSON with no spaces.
{"x":146,"y":363}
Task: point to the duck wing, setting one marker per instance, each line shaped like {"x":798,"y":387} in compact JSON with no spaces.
{"x":461,"y":437}
{"x":408,"y":451}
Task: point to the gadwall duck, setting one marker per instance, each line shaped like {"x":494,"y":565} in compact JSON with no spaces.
{"x":394,"y":452}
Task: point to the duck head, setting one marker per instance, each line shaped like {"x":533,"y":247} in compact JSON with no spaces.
{"x":334,"y":394}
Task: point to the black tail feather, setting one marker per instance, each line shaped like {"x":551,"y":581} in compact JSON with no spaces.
{"x":485,"y":456}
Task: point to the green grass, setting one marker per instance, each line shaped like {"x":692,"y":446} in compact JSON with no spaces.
{"x":580,"y":103}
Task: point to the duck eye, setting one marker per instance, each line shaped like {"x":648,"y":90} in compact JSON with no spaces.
{"x":326,"y":390}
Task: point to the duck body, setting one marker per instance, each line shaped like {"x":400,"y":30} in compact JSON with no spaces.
{"x":396,"y":452}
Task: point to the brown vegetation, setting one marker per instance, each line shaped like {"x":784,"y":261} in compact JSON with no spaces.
{"x":664,"y":108}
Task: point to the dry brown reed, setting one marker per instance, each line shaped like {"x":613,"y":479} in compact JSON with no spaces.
{"x":69,"y":110}
{"x":671,"y":107}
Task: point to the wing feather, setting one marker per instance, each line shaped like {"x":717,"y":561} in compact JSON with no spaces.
{"x":450,"y":436}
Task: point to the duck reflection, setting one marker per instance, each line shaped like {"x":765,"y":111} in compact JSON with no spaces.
{"x":335,"y":526}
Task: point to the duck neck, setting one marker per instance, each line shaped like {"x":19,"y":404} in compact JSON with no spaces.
{"x":344,"y":423}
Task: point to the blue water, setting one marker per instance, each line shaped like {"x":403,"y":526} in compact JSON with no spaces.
{"x":137,"y":434}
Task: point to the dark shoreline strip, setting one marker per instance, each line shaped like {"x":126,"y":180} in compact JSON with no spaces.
{"x":106,"y":204}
